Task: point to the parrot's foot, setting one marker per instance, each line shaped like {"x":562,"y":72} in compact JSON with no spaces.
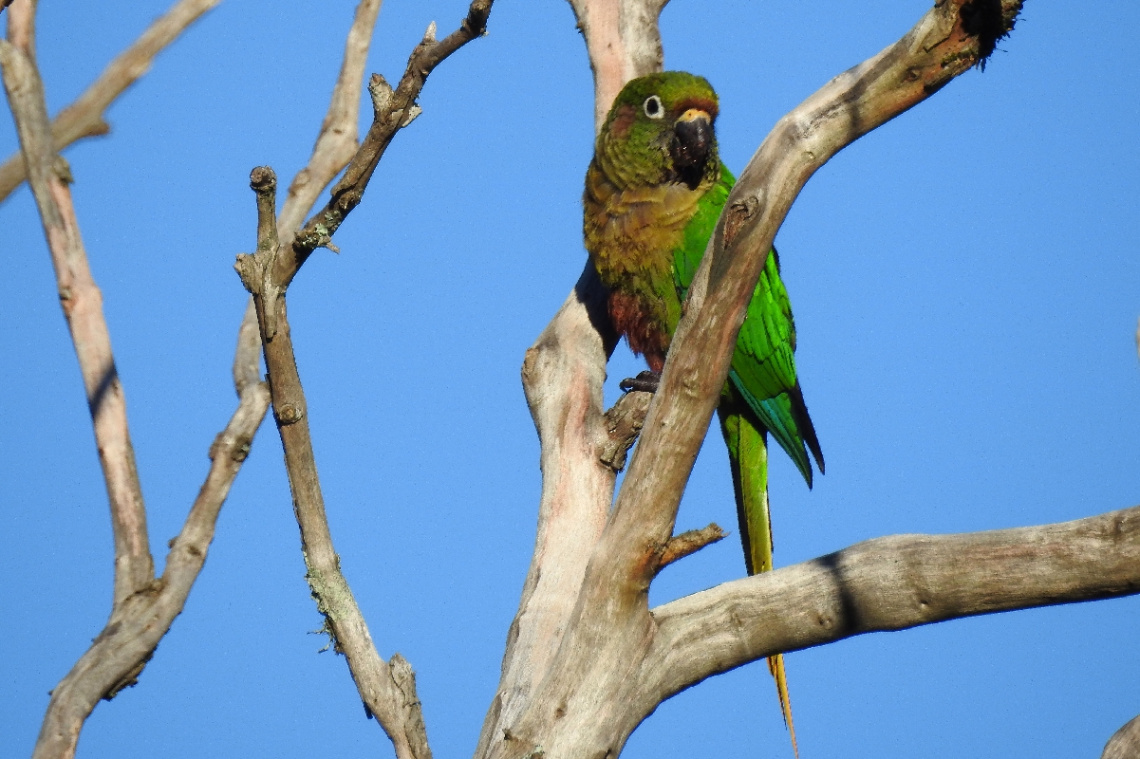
{"x":645,"y":382}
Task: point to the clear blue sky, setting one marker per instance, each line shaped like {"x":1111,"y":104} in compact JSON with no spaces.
{"x":965,"y":282}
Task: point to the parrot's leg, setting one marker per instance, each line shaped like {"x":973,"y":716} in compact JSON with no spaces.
{"x":645,"y":382}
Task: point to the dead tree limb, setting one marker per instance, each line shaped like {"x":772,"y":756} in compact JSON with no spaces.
{"x":386,"y":688}
{"x":892,"y":583}
{"x":1125,"y":742}
{"x":143,"y":607}
{"x":84,"y":117}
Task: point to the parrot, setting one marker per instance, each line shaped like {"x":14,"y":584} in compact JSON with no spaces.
{"x":654,"y":191}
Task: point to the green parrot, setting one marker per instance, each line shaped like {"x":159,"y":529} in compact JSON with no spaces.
{"x":654,"y":191}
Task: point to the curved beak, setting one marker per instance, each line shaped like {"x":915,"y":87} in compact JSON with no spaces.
{"x":692,"y":142}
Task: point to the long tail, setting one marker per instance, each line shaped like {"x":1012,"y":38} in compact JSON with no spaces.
{"x":748,"y":455}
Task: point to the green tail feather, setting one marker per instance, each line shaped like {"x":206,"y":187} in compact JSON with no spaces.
{"x":748,"y":457}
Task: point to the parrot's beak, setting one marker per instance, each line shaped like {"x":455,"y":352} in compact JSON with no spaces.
{"x":692,"y":140}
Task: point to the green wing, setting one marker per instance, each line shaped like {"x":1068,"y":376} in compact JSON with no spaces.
{"x":763,"y":368}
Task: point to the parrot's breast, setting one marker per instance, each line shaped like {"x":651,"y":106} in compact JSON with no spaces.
{"x":631,"y":235}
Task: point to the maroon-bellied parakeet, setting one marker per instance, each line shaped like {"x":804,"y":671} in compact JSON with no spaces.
{"x":654,"y":191}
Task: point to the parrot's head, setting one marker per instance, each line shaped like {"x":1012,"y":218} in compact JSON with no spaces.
{"x":660,"y":131}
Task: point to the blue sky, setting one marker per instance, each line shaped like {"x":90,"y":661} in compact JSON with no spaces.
{"x":965,"y":286}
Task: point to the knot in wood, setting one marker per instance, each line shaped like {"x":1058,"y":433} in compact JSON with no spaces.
{"x":289,"y":413}
{"x":739,"y":214}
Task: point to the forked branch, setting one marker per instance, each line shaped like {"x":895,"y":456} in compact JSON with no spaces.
{"x":386,"y":688}
{"x":143,"y":608}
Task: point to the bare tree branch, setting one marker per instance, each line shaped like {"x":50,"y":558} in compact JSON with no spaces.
{"x":336,"y":141}
{"x":1125,"y":742}
{"x":126,"y":644}
{"x":394,"y":109}
{"x":562,"y":376}
{"x":387,"y":689}
{"x":690,"y":542}
{"x":82,"y":307}
{"x":623,"y":42}
{"x":84,"y":117}
{"x":623,"y":425}
{"x":937,"y":49}
{"x":891,"y":583}
{"x":143,"y":608}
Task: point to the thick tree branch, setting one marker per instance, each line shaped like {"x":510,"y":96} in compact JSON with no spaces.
{"x":891,"y":583}
{"x":387,"y":689}
{"x":562,"y":376}
{"x":84,"y":117}
{"x":623,"y":42}
{"x":1125,"y":742}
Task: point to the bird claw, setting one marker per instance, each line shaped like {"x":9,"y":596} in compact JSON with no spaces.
{"x":645,"y":382}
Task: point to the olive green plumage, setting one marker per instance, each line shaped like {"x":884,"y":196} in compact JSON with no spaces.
{"x":654,"y":192}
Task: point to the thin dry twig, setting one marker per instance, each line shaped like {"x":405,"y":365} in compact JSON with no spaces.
{"x":143,"y":608}
{"x":387,"y":688}
{"x":680,"y":546}
{"x":336,"y":141}
{"x":84,"y":117}
{"x":394,"y":109}
{"x":335,"y":145}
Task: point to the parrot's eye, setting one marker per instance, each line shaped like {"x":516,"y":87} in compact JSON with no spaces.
{"x":653,"y":107}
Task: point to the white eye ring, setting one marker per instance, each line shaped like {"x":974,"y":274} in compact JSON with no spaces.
{"x":653,"y":108}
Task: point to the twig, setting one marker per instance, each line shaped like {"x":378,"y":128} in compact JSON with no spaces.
{"x":623,"y":425}
{"x":136,"y":626}
{"x":388,"y":690}
{"x":336,"y":142}
{"x":394,"y":109}
{"x":84,"y":117}
{"x":687,"y":543}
